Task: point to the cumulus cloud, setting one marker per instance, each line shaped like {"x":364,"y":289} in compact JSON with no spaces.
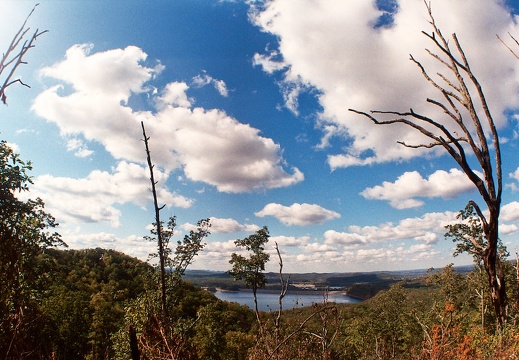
{"x":414,"y":253}
{"x":424,"y":229}
{"x":205,"y":79}
{"x":131,"y":245}
{"x":410,"y":185}
{"x":93,"y":101}
{"x":94,"y":198}
{"x":506,"y":229}
{"x":115,"y":73}
{"x":318,"y":247}
{"x":298,"y":214}
{"x":343,"y":238}
{"x":79,"y":148}
{"x":353,"y":63}
{"x":229,"y":155}
{"x":225,"y":226}
{"x":289,"y":241}
{"x":174,"y":94}
{"x":515,"y":176}
{"x":270,"y":62}
{"x":510,"y":211}
{"x":406,"y":244}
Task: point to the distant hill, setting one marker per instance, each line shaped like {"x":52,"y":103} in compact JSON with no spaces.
{"x":362,"y":285}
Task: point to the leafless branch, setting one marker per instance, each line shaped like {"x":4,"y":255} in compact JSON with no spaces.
{"x":14,"y":56}
{"x":465,"y":104}
{"x":284,"y":289}
{"x":298,"y":329}
{"x":508,"y":47}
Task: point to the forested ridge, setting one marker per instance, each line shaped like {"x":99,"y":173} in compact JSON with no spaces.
{"x":86,"y":300}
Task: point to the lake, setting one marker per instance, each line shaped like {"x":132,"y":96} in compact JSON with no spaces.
{"x":269,"y":301}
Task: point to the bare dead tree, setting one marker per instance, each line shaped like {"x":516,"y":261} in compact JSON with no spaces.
{"x":158,"y":227}
{"x":284,"y":288}
{"x":14,"y":55}
{"x":508,"y":47}
{"x":464,"y":107}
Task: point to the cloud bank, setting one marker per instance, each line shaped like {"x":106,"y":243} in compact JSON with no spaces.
{"x":298,"y":214}
{"x":355,"y":63}
{"x":207,"y":144}
{"x":403,"y":192}
{"x":92,"y":102}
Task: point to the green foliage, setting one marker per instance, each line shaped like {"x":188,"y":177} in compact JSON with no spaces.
{"x":185,"y":251}
{"x":469,"y":236}
{"x":197,"y":322}
{"x":383,"y":327}
{"x":25,"y":232}
{"x":198,"y":327}
{"x":215,"y":321}
{"x":84,"y":301}
{"x":251,"y":269}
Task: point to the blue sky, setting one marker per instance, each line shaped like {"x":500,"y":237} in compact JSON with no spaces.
{"x":246,"y":104}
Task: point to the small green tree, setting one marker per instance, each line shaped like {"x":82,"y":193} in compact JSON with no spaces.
{"x":25,"y":231}
{"x":469,"y":238}
{"x":164,"y":333}
{"x":251,"y":269}
{"x":185,"y":252}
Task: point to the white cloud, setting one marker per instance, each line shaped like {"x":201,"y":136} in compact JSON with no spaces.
{"x":14,"y":147}
{"x":114,"y":73}
{"x":132,"y":245}
{"x":79,"y":148}
{"x":229,"y":155}
{"x":175,"y":94}
{"x":94,"y":198}
{"x":221,"y":87}
{"x":510,"y":211}
{"x":23,"y":131}
{"x":426,"y":229}
{"x":400,"y":194}
{"x":221,"y":246}
{"x":506,"y":229}
{"x":298,"y":214}
{"x":269,"y":62}
{"x":347,"y":239}
{"x":297,"y":251}
{"x":205,"y":79}
{"x":415,"y":253}
{"x":225,"y":226}
{"x":355,"y":65}
{"x":318,"y":247}
{"x":515,"y":175}
{"x":289,"y":241}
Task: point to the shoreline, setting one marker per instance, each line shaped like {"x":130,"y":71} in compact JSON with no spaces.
{"x":292,"y":292}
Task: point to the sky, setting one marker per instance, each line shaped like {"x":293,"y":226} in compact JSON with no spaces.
{"x":246,"y":107}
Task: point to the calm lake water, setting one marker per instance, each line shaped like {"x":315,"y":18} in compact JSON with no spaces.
{"x":268,"y":301}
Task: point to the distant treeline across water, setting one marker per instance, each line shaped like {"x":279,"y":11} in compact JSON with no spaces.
{"x":268,"y":301}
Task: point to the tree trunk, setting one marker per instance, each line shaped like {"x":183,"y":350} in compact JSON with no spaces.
{"x":494,"y":270}
{"x":158,"y":225}
{"x":134,"y":345}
